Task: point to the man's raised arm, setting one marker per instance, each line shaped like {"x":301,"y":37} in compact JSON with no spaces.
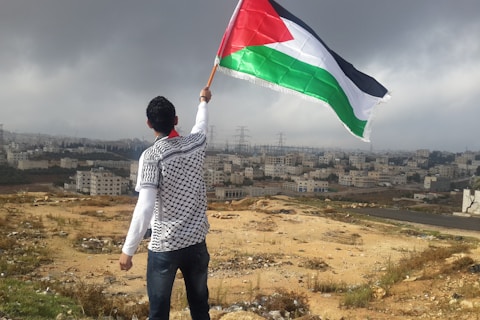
{"x":201,"y":120}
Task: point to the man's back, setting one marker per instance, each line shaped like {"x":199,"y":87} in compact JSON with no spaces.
{"x":179,"y":215}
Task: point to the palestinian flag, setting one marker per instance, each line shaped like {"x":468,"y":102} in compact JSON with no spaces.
{"x":266,"y":44}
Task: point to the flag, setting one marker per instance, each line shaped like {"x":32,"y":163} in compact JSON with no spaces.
{"x":266,"y":44}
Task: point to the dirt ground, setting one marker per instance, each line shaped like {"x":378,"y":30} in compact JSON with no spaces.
{"x":262,"y":246}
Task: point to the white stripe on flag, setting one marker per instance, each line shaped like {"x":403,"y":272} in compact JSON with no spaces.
{"x":306,"y":48}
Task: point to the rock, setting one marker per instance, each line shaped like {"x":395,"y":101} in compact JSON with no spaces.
{"x":465,"y":304}
{"x":379,"y":293}
{"x":475,"y":268}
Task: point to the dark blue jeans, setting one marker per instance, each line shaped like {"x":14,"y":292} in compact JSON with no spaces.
{"x":161,"y":270}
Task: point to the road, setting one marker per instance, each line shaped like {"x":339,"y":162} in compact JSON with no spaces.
{"x":447,"y":221}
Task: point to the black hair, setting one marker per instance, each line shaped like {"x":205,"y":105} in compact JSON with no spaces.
{"x":161,"y":114}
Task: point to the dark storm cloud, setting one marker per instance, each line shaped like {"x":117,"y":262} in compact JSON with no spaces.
{"x":89,"y":68}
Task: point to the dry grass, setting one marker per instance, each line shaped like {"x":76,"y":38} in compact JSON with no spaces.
{"x":23,"y":250}
{"x":93,"y":301}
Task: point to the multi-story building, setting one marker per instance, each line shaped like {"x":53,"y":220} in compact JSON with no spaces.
{"x":214,"y":162}
{"x":274,"y":160}
{"x":399,"y":179}
{"x":436,"y":183}
{"x":311,"y":185}
{"x":357,"y":161}
{"x":103,"y":182}
{"x":82,"y":181}
{"x":99,"y":181}
{"x":253,"y":173}
{"x":363,"y":181}
{"x":275,"y":170}
{"x":13,"y":157}
{"x":447,"y":171}
{"x":292,"y":159}
{"x":237,"y":178}
{"x":422,"y":153}
{"x":345,"y":180}
{"x":331,"y":157}
{"x":214,"y":178}
{"x":380,"y":178}
{"x":294,"y":170}
{"x":228,"y":167}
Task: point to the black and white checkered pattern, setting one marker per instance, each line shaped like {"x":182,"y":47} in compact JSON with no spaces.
{"x":175,"y":167}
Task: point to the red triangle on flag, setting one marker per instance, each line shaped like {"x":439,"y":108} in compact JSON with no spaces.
{"x":257,"y":23}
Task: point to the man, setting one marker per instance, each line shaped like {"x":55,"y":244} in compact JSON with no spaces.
{"x":172,"y":199}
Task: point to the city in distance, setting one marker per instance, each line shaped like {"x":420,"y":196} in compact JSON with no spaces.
{"x":284,"y":169}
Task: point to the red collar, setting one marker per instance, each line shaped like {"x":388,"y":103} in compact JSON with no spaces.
{"x":173,"y":134}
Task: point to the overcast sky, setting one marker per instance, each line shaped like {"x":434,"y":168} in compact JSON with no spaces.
{"x":88,"y":68}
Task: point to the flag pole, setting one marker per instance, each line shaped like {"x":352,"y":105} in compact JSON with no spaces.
{"x":212,"y":73}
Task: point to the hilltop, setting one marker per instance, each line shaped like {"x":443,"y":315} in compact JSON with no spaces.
{"x":314,"y":249}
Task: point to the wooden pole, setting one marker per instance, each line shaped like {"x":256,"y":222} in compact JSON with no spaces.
{"x":212,"y":73}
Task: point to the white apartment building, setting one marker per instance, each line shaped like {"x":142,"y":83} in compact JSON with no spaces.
{"x":357,"y":161}
{"x":213,"y":178}
{"x":275,"y":170}
{"x":100,"y":182}
{"x":82,"y":181}
{"x":103,"y":182}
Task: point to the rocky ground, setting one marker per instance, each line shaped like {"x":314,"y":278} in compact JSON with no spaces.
{"x":262,"y":247}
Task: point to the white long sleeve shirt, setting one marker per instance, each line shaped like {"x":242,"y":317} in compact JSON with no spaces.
{"x":172,"y":192}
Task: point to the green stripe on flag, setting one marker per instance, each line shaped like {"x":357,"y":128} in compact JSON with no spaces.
{"x":283,"y":70}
